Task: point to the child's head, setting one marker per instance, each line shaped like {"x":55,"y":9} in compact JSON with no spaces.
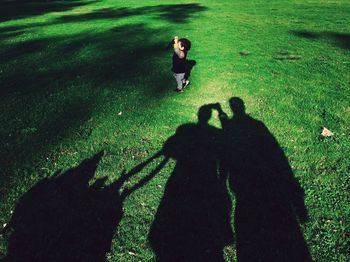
{"x":181,"y":46}
{"x":184,"y":44}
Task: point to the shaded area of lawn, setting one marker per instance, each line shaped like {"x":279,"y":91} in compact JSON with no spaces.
{"x":181,"y":13}
{"x":111,"y":55}
{"x":339,"y":39}
{"x":178,"y":14}
{"x":26,"y":8}
{"x":63,"y":88}
{"x":98,"y":58}
{"x":61,"y":78}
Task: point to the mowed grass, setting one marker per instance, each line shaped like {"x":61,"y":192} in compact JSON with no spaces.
{"x":81,"y":77}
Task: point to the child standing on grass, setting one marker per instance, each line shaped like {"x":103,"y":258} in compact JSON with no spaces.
{"x":181,"y":47}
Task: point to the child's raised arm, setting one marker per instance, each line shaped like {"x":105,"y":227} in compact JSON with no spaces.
{"x":177,"y":47}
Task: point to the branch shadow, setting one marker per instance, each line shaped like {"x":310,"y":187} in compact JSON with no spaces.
{"x":269,"y":200}
{"x":340,"y":39}
{"x":177,"y":13}
{"x":121,"y":49}
{"x":122,"y":60}
{"x":168,"y":13}
{"x":118,"y":54}
{"x":114,"y":61}
{"x":20,"y":9}
{"x":23,"y":144}
{"x":116,"y":57}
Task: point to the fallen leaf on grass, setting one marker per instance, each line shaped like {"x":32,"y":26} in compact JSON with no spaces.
{"x":326,"y":132}
{"x":294,"y":57}
{"x":244,"y":53}
{"x":287,"y":56}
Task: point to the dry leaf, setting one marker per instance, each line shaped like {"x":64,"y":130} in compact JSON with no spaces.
{"x":244,"y":53}
{"x":326,"y":132}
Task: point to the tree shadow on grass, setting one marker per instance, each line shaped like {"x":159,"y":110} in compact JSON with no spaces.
{"x":169,"y":13}
{"x":180,"y":13}
{"x":340,"y":39}
{"x":96,"y":58}
{"x":25,"y":8}
{"x":192,"y":222}
{"x":118,"y":54}
{"x":269,"y":200}
{"x":53,"y":67}
{"x":10,"y":32}
{"x":70,"y":216}
{"x":123,"y":61}
{"x":66,"y":121}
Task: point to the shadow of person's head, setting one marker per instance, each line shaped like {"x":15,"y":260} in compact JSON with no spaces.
{"x":204,"y":114}
{"x":237,"y":106}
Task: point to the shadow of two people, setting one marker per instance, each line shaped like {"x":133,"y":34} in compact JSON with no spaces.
{"x":64,"y":218}
{"x":193,"y":219}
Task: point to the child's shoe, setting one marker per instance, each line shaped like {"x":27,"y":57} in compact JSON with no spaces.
{"x":186,"y":84}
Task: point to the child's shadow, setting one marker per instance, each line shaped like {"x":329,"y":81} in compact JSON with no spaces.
{"x":67,"y":217}
{"x":189,"y":66}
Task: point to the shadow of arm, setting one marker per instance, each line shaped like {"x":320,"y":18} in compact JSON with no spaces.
{"x":222,"y":115}
{"x":146,"y":179}
{"x":125,"y":176}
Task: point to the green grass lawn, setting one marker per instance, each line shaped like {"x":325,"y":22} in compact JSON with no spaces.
{"x":81,"y":77}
